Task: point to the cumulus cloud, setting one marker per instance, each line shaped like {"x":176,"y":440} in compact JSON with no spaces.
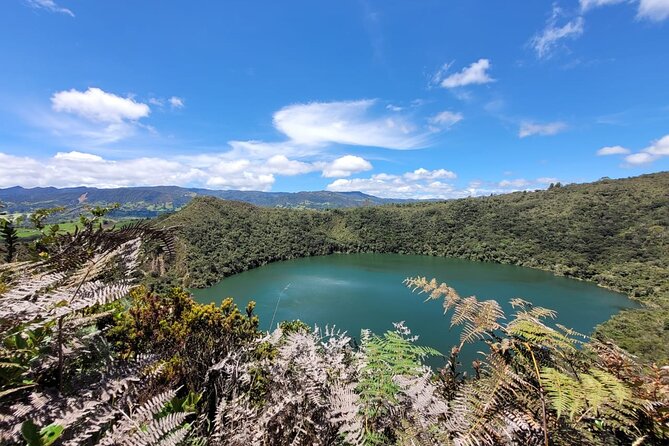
{"x":654,"y":10}
{"x":432,"y":184}
{"x":223,"y":170}
{"x":518,"y":183}
{"x":476,"y":73}
{"x":95,"y":118}
{"x":91,"y":118}
{"x":590,"y":4}
{"x":346,"y":166}
{"x":656,"y":150}
{"x":78,"y":157}
{"x":553,"y":35}
{"x":421,"y":183}
{"x":546,"y":180}
{"x":281,"y":165}
{"x":445,"y":119}
{"x":176,"y":102}
{"x":639,"y":158}
{"x":550,"y":128}
{"x":49,"y":5}
{"x":82,"y":169}
{"x":346,"y":122}
{"x":422,"y":174}
{"x":612,"y":150}
{"x":263,"y":150}
{"x":244,"y":181}
{"x":95,"y":104}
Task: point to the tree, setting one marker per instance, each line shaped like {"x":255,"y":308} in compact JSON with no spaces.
{"x":9,"y":237}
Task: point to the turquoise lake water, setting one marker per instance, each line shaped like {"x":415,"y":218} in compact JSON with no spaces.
{"x":355,"y":291}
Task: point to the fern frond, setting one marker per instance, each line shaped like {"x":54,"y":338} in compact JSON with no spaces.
{"x":156,"y":430}
{"x":175,"y":438}
{"x":563,"y":391}
{"x":153,"y":406}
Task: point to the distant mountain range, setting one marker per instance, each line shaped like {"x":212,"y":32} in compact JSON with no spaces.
{"x":141,"y":202}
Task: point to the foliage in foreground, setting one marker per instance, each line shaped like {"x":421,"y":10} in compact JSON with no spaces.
{"x":60,"y":381}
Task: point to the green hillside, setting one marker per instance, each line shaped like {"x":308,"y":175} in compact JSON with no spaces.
{"x":613,"y":232}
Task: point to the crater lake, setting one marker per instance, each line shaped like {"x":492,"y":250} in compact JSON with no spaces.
{"x":356,"y":291}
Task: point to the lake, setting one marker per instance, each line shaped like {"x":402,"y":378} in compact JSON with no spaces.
{"x":355,"y":291}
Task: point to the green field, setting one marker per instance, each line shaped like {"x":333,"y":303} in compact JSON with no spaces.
{"x":67,"y":226}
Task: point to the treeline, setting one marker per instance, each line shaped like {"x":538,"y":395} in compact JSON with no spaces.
{"x":613,"y":232}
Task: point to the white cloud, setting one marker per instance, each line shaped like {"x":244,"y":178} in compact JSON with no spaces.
{"x":446,"y":119}
{"x":612,"y":150}
{"x":49,"y":5}
{"x":76,"y":168}
{"x":281,"y":165}
{"x":346,"y":166}
{"x":176,"y":102}
{"x":95,"y":118}
{"x":550,"y":128}
{"x":547,"y":180}
{"x":659,"y":147}
{"x":346,"y":122}
{"x":639,"y":158}
{"x":424,"y":174}
{"x":548,"y":40}
{"x":476,"y":73}
{"x":77,"y":132}
{"x":590,"y":4}
{"x":97,"y":105}
{"x":227,"y":170}
{"x":244,"y":181}
{"x":429,"y":184}
{"x":518,"y":183}
{"x":421,"y":183}
{"x":65,"y":169}
{"x":91,"y":118}
{"x":655,"y":151}
{"x":655,"y":10}
{"x":215,"y":170}
{"x":78,"y":157}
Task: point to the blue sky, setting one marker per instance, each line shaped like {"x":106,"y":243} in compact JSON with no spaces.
{"x":395,"y":98}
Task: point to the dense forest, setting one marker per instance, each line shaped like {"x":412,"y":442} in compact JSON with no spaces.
{"x":612,"y":232}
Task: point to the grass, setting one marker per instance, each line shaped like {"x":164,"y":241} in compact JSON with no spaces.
{"x":68,"y":226}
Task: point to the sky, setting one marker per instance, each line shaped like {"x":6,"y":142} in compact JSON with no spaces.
{"x":407,"y":99}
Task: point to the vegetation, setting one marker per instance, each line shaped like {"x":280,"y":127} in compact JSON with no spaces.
{"x":86,"y":360}
{"x":613,"y":232}
{"x":89,"y":357}
{"x":10,"y":237}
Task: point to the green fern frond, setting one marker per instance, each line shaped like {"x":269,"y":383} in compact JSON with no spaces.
{"x":563,"y":391}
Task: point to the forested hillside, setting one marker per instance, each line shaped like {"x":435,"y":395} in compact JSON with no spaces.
{"x":613,"y":232}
